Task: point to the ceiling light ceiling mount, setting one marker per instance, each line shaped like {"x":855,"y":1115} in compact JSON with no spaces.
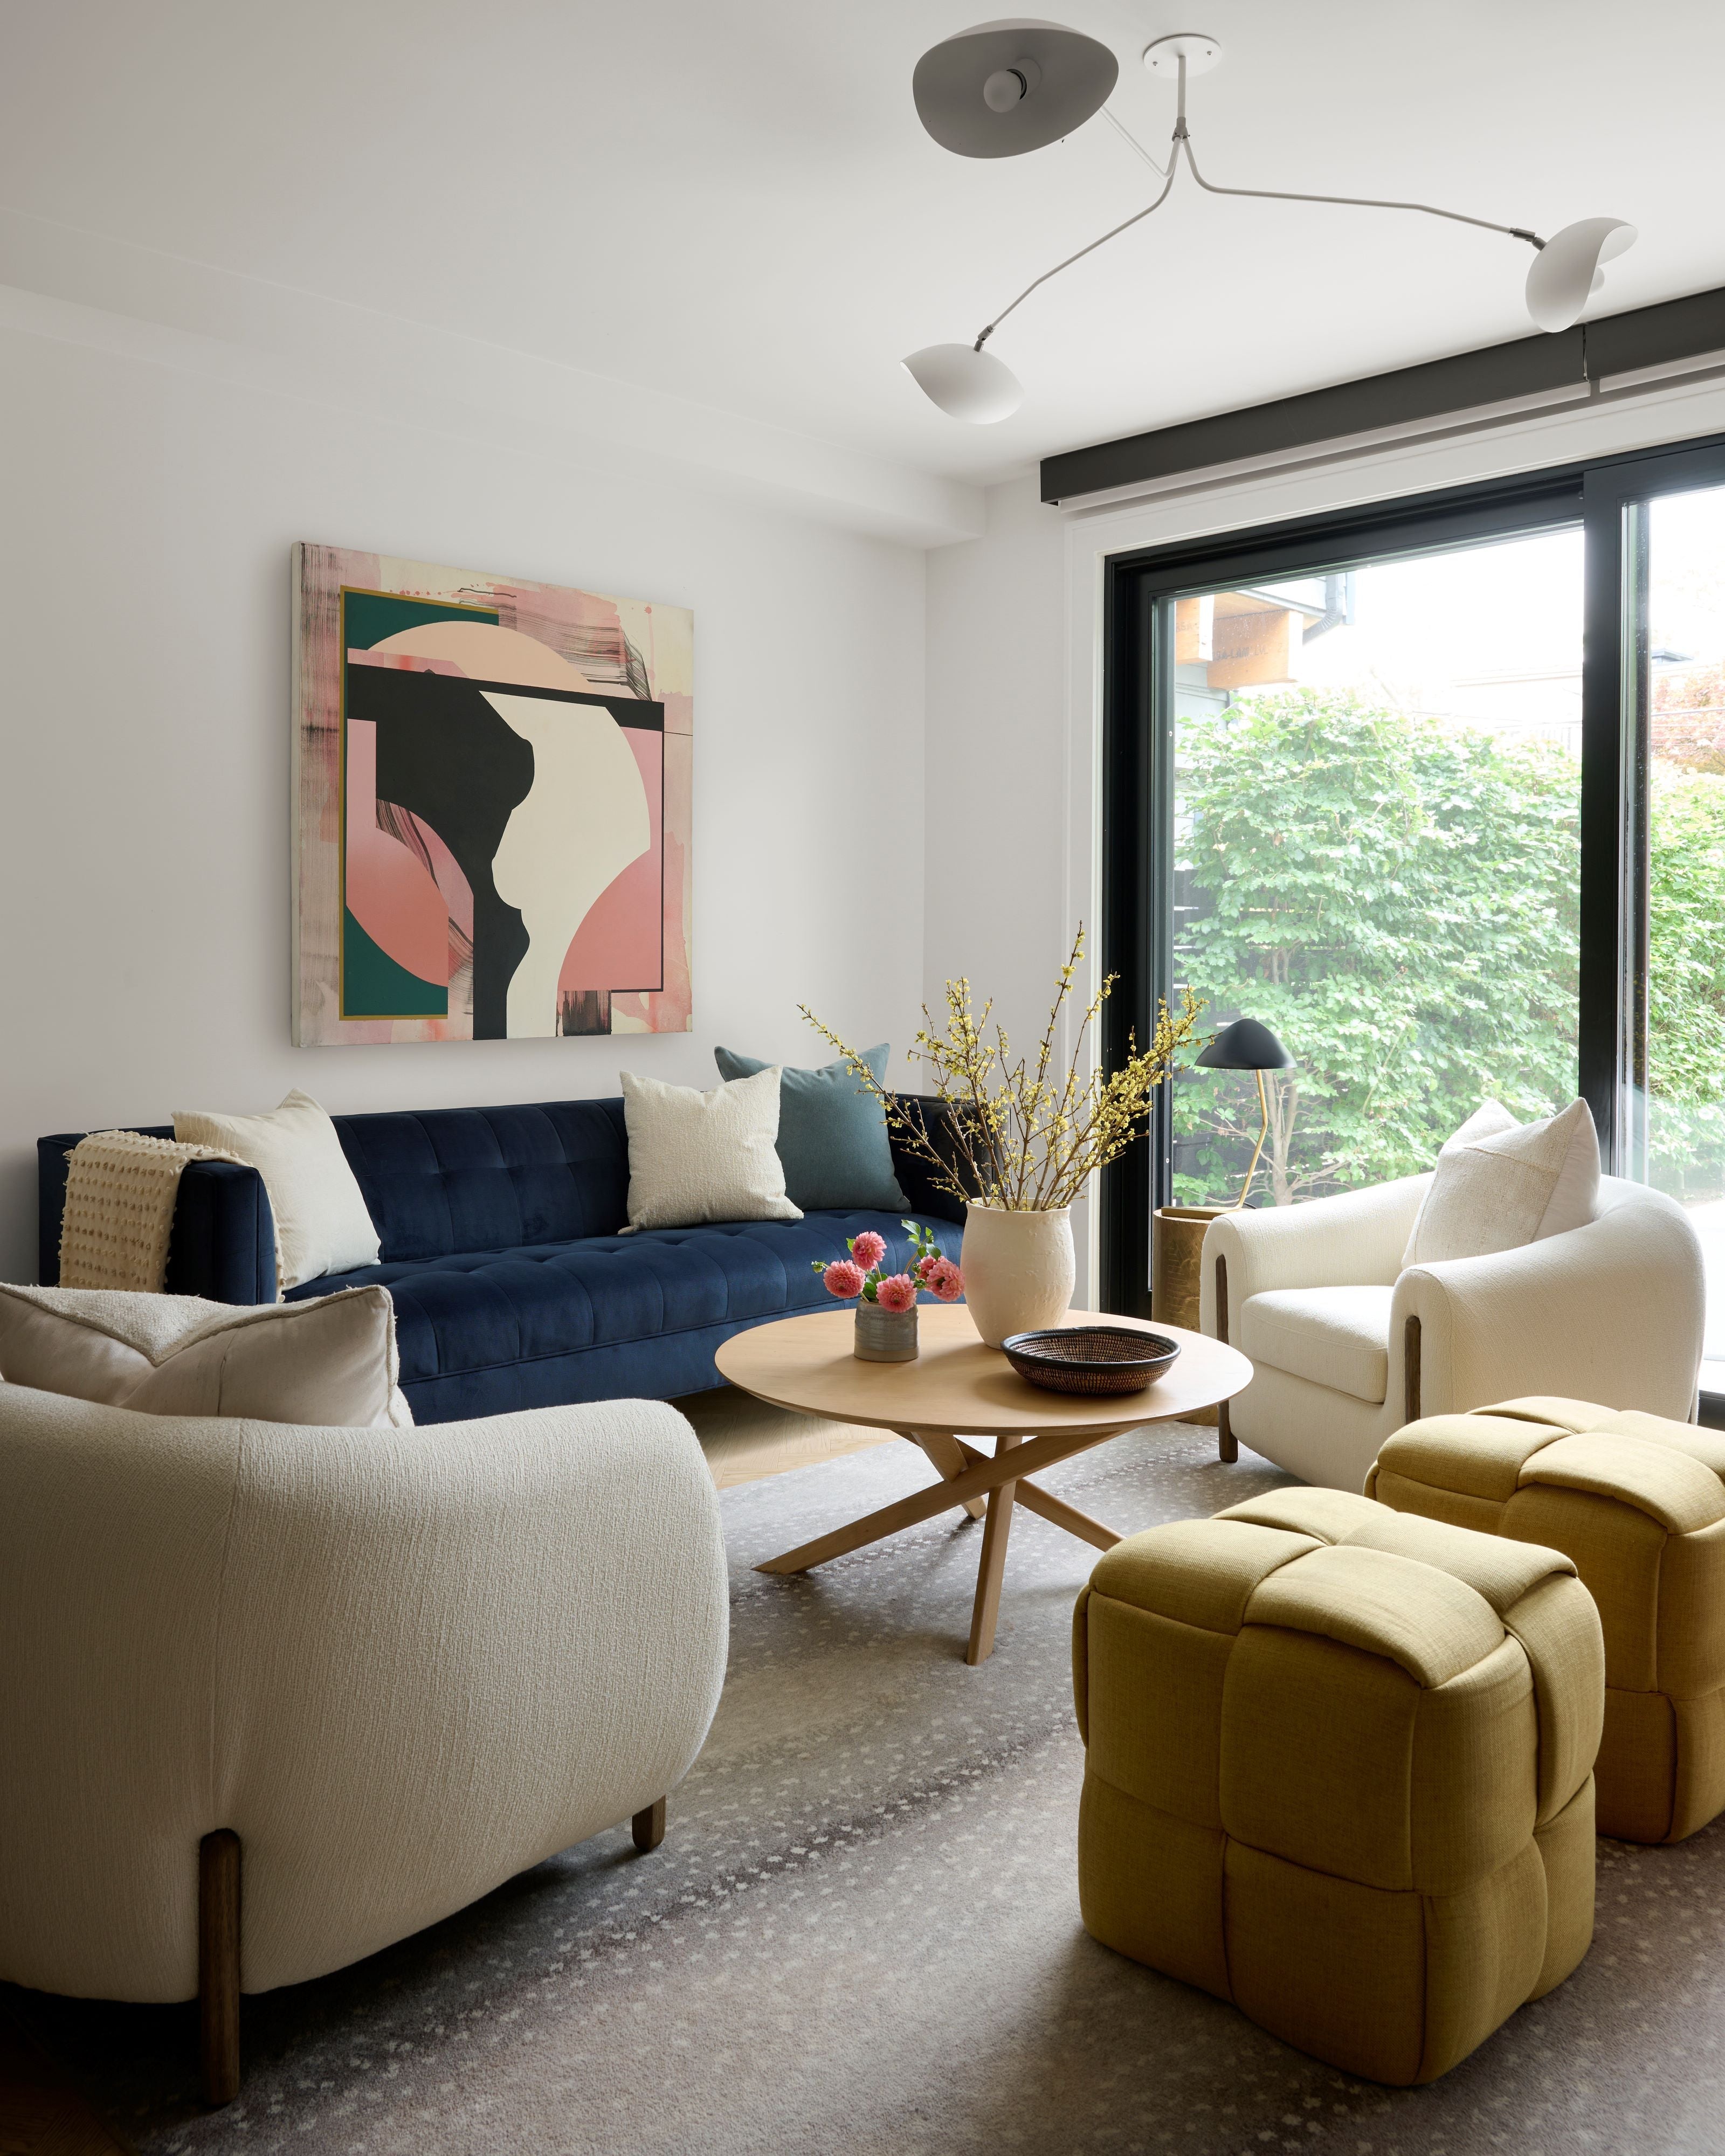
{"x":1004,"y":88}
{"x":1000,"y":89}
{"x":1163,"y":55}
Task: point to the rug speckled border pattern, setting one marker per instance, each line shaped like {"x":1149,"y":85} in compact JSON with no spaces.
{"x":861,"y":1937}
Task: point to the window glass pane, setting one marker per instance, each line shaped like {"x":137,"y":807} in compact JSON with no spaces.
{"x":1686,"y":887}
{"x":1377,"y":797}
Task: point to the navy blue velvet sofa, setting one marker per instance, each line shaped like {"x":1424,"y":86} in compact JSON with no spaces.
{"x":512,"y":1286}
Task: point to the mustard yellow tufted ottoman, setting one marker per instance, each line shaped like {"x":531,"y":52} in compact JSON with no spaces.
{"x":1338,"y":1772}
{"x":1639,"y":1503}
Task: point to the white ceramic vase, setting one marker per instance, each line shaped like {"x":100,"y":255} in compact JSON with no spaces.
{"x":1018,"y":1268}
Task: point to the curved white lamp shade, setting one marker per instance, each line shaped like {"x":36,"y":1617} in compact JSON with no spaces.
{"x":1566,"y":269}
{"x":1000,"y":88}
{"x":969,"y":384}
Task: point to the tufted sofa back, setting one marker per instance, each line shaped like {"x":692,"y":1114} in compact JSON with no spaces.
{"x":436,"y":1181}
{"x":440,"y":1180}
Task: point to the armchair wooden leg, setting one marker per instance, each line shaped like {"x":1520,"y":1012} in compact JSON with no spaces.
{"x":648,"y":1827}
{"x":218,"y":1963}
{"x":1226,"y":1444}
{"x":1410,"y":1368}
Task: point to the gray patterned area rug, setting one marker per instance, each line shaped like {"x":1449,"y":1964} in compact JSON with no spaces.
{"x":861,"y":1937}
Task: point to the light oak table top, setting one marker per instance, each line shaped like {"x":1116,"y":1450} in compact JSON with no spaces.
{"x":955,"y":1383}
{"x":958,"y":1387}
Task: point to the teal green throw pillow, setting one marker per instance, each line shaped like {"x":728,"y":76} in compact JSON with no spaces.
{"x":832,"y":1135}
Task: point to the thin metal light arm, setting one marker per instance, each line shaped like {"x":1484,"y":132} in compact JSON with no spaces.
{"x":1126,"y":135}
{"x":1349,"y":202}
{"x":1182,"y":141}
{"x":1138,"y":218}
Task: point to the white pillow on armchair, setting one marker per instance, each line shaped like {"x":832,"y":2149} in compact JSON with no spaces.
{"x":1501,"y":1184}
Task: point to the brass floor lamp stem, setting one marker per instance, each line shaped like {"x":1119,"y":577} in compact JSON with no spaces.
{"x":1258,"y":1149}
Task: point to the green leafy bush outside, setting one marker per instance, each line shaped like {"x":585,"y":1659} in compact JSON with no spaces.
{"x":1396,"y":897}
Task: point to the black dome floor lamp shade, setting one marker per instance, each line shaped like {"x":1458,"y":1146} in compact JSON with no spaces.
{"x":1246,"y":1045}
{"x":1002,"y":89}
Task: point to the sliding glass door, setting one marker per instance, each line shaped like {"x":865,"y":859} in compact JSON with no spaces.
{"x":1377,"y":798}
{"x":1656,"y":539}
{"x":1437,"y":791}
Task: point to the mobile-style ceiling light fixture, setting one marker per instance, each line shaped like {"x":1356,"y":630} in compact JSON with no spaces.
{"x":1005,"y":88}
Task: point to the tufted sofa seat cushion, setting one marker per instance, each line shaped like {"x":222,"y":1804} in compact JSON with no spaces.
{"x":484,"y":1331}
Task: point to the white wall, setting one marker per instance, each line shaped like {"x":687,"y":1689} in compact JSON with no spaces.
{"x":997,"y":892}
{"x":146,"y":512}
{"x":1009,"y":813}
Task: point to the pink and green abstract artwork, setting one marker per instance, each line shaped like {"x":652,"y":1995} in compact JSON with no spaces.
{"x":492,"y":787}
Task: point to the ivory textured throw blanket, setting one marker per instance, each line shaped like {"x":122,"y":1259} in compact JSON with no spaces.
{"x":120,"y":1190}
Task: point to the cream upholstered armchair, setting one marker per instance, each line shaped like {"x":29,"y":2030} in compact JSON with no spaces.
{"x":1346,"y":1346}
{"x":273,"y":1696}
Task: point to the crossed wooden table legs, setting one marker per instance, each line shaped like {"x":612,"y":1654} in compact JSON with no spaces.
{"x":956,"y":1384}
{"x":985,"y":1488}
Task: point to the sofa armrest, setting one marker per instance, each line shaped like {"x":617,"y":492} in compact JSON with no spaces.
{"x":1355,"y":1239}
{"x":222,"y":1246}
{"x":1613,"y":1313}
{"x":52,"y":1155}
{"x":223,"y":1242}
{"x":915,"y":1178}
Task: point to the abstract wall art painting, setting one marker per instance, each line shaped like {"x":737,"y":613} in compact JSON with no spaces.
{"x":492,"y":791}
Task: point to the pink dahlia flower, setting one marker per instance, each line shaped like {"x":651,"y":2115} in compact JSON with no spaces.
{"x":868,"y":1248}
{"x":947,"y":1282}
{"x":925,"y":1266}
{"x":897,"y":1291}
{"x":843,"y":1278}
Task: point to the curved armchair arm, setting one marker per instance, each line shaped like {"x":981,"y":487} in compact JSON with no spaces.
{"x":1613,"y":1313}
{"x":1354,"y":1240}
{"x":401,"y":1666}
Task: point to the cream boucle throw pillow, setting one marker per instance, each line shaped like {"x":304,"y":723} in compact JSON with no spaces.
{"x":331,"y":1361}
{"x":321,"y":1223}
{"x":696,"y":1156}
{"x":1501,"y":1184}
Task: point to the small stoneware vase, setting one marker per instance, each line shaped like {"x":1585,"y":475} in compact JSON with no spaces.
{"x":1019,"y":1270}
{"x":886,"y":1336}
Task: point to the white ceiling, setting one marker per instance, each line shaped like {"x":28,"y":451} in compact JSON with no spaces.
{"x":731,"y":201}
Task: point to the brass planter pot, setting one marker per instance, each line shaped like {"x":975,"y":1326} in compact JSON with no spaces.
{"x":1177,"y":1248}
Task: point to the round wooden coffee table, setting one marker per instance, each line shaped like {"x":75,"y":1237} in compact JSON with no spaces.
{"x":958,"y":1389}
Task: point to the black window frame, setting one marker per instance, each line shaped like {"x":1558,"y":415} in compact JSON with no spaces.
{"x":1139,"y":588}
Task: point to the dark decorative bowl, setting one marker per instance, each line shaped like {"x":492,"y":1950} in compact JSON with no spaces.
{"x":1090,"y":1358}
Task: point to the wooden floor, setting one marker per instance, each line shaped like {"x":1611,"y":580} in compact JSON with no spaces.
{"x":744,"y":1441}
